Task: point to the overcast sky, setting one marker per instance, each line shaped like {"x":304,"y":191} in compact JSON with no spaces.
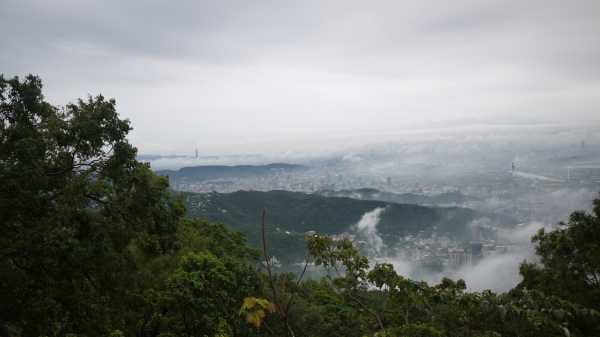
{"x":195,"y":72}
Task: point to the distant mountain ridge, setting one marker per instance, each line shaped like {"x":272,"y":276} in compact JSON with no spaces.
{"x":406,"y":198}
{"x":203,"y":173}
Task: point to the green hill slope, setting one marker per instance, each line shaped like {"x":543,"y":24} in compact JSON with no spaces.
{"x":300,"y":213}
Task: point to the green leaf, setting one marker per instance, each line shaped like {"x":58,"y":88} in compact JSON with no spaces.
{"x":255,"y":318}
{"x":576,"y":309}
{"x":558,"y":314}
{"x":248,"y":304}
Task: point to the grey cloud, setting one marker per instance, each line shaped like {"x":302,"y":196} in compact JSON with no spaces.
{"x":523,"y":234}
{"x":193,"y":71}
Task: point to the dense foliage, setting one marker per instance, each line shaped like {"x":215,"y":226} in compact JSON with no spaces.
{"x":73,"y":202}
{"x":93,"y":244}
{"x":395,"y":306}
{"x":569,"y":265}
{"x":91,"y":241}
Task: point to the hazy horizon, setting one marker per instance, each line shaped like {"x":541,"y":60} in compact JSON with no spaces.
{"x":466,"y":143}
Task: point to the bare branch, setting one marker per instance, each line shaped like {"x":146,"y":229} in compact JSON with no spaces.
{"x":264,"y":242}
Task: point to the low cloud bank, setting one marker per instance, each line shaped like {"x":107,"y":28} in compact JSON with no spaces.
{"x":367,"y":228}
{"x":574,"y":199}
{"x":498,"y":272}
{"x":523,"y":145}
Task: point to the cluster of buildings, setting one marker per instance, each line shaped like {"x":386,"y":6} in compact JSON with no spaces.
{"x":486,"y":240}
{"x":317,"y":178}
{"x":491,"y":191}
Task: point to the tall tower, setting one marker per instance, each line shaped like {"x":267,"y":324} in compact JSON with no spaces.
{"x":196,"y":152}
{"x":513,"y":167}
{"x":476,"y":251}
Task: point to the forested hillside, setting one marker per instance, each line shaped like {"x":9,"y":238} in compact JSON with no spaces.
{"x":300,"y":213}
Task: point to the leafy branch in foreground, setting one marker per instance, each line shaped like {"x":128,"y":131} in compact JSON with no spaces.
{"x":254,"y":308}
{"x":412,"y":308}
{"x":255,"y":317}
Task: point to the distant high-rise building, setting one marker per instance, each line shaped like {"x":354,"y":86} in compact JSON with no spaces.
{"x":339,"y":177}
{"x":476,"y":250}
{"x":476,"y":234}
{"x":459,"y":258}
{"x":513,"y":168}
{"x":389,"y":181}
{"x":196,"y":152}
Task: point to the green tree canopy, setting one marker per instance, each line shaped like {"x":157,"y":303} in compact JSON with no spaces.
{"x":73,"y":200}
{"x":569,"y":261}
{"x":569,"y":265}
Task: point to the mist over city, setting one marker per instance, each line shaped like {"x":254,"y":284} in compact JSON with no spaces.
{"x":535,"y":173}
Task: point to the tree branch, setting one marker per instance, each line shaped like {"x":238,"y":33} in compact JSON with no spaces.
{"x":264,"y":242}
{"x":297,"y":283}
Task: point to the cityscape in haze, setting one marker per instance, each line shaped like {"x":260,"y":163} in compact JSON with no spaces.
{"x":300,"y":168}
{"x":537,"y":175}
{"x":542,"y":177}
